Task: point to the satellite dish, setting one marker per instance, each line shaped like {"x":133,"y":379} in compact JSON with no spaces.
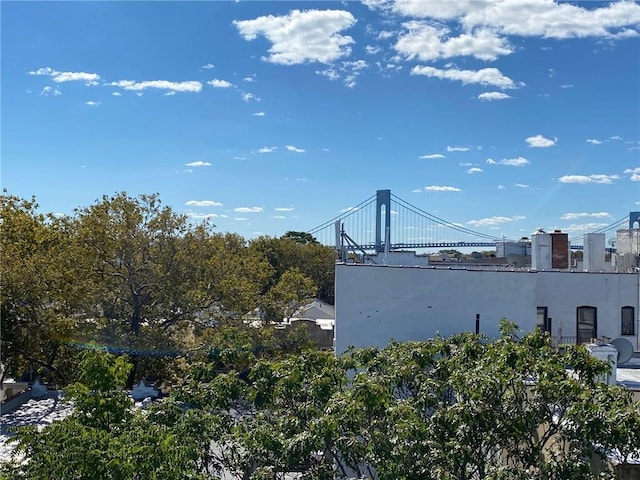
{"x":624,"y":347}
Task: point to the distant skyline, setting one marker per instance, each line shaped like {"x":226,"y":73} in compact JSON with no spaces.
{"x":503,"y":116}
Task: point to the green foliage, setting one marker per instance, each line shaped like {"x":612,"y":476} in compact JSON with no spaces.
{"x":300,"y":237}
{"x":457,"y":408}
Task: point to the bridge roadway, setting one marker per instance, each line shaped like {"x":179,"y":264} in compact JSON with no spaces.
{"x":396,"y":246}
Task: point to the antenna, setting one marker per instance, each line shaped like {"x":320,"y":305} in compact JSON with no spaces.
{"x":624,"y":347}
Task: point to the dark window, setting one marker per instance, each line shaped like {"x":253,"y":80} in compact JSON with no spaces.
{"x":543,"y":322}
{"x":586,"y":324}
{"x":628,"y":321}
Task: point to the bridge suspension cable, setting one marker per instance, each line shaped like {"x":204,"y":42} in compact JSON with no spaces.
{"x":440,"y":221}
{"x":613,"y":226}
{"x":351,"y":211}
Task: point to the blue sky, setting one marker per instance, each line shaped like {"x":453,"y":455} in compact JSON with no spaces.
{"x":503,"y":116}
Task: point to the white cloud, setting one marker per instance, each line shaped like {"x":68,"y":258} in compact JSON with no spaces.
{"x":575,"y":216}
{"x":348,"y":72}
{"x":248,"y":209}
{"x":208,"y":66}
{"x":170,"y":94}
{"x":240,"y":219}
{"x":539,"y":18}
{"x":596,"y":178}
{"x":249,"y":79}
{"x":538,"y":141}
{"x":291,"y":148}
{"x":632,"y":170}
{"x":267,"y":149}
{"x":568,"y":85}
{"x":510,"y":162}
{"x":594,"y":141}
{"x":188,"y":86}
{"x":426,"y":42}
{"x":484,"y":76}
{"x":116,"y":94}
{"x":198,"y":163}
{"x":521,"y":185}
{"x":258,"y":114}
{"x":203,"y":203}
{"x":372,"y":50}
{"x":490,"y":221}
{"x":217,"y":83}
{"x":475,"y":170}
{"x":91,"y":103}
{"x":284,"y":209}
{"x":615,"y":137}
{"x":349,"y":209}
{"x":202,"y":216}
{"x":247,"y":97}
{"x":302,"y":36}
{"x":279,"y":217}
{"x":432,"y":155}
{"x":46,"y":91}
{"x":493,"y":96}
{"x":59,"y":77}
{"x":635,"y":177}
{"x":458,"y":149}
{"x":441,"y":188}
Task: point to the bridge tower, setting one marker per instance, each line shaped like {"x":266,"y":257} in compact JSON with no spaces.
{"x":383,"y":220}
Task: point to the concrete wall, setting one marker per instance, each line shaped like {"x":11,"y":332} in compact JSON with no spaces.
{"x":375,"y":304}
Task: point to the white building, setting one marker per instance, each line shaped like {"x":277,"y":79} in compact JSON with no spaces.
{"x":377,"y":303}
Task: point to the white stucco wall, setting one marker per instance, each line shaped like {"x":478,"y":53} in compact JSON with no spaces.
{"x":375,"y":304}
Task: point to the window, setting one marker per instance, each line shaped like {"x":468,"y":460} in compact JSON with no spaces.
{"x":628,"y":321}
{"x":543,"y":322}
{"x":586,"y":324}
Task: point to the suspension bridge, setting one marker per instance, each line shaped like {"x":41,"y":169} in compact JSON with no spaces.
{"x":386,"y":222}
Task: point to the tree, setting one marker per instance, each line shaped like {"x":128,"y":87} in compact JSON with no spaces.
{"x":106,"y":438}
{"x":312,"y":259}
{"x":152,"y":274}
{"x":463,"y":407}
{"x":39,"y":294}
{"x":300,"y":237}
{"x":287,"y":296}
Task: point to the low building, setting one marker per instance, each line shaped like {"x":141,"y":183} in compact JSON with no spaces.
{"x":376,"y":303}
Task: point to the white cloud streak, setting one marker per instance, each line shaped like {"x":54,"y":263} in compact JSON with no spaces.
{"x":493,"y":96}
{"x":484,"y":76}
{"x":203,"y":203}
{"x":441,"y":188}
{"x":267,"y":149}
{"x":575,"y":216}
{"x":292,"y":148}
{"x":217,"y":83}
{"x":432,"y":155}
{"x":190,"y":86}
{"x":198,"y":163}
{"x":510,"y":162}
{"x":458,"y":149}
{"x":497,"y":220}
{"x":46,"y":91}
{"x":248,"y":209}
{"x":60,"y":77}
{"x":595,"y":178}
